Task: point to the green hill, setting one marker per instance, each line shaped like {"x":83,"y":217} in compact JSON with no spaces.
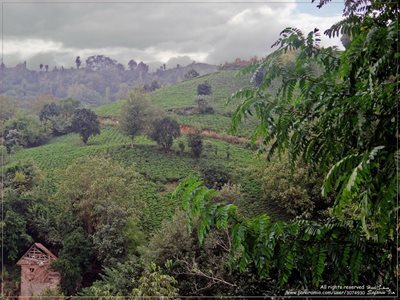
{"x":161,"y":171}
{"x":149,"y":160}
{"x":184,"y":94}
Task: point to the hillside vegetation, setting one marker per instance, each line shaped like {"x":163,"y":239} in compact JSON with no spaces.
{"x":183,"y":95}
{"x":147,"y":158}
{"x":100,"y":80}
{"x":59,"y":152}
{"x":161,"y":171}
{"x":151,"y":197}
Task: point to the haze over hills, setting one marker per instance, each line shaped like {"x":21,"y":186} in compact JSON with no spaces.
{"x":100,"y":80}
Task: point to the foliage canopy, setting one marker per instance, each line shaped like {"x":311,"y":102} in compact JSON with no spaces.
{"x":137,"y":114}
{"x":164,"y":132}
{"x":337,"y":110}
{"x":85,"y":122}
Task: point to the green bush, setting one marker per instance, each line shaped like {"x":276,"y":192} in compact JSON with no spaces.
{"x":293,"y":192}
{"x":204,"y":89}
{"x":215,"y":176}
{"x":195,"y":142}
{"x":153,"y":283}
{"x":22,"y":176}
{"x":164,"y":132}
{"x":24,"y":130}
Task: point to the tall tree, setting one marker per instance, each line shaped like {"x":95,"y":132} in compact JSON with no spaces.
{"x":86,"y":123}
{"x":136,"y":114}
{"x":74,"y":260}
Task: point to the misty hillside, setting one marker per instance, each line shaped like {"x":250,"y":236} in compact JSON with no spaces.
{"x":100,"y":80}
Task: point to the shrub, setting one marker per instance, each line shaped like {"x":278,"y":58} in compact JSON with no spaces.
{"x":295,"y":192}
{"x":230,"y":193}
{"x":195,"y":142}
{"x":25,"y":131}
{"x":53,"y":294}
{"x":4,"y":155}
{"x":154,"y":283}
{"x":196,"y":267}
{"x":117,"y":280}
{"x":215,"y":176}
{"x":191,"y":74}
{"x":203,"y":106}
{"x":204,"y":89}
{"x":21,"y":177}
{"x":164,"y":131}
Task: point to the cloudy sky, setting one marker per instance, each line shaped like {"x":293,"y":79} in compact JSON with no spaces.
{"x":55,"y":32}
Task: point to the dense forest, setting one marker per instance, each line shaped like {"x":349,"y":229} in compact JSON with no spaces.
{"x":273,"y":177}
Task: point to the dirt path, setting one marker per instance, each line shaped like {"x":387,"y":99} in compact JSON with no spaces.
{"x":108,"y":121}
{"x":187,"y":129}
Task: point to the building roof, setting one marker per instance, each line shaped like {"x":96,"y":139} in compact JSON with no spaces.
{"x":49,"y":255}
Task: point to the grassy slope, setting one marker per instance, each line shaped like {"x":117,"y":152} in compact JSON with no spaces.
{"x":183,"y":94}
{"x":149,"y":160}
{"x":162,"y":170}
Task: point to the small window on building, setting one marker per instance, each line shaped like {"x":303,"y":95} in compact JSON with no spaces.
{"x":31,"y":269}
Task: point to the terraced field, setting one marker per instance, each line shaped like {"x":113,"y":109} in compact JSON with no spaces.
{"x":149,"y":160}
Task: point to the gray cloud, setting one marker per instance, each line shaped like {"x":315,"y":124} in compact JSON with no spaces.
{"x":145,"y":31}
